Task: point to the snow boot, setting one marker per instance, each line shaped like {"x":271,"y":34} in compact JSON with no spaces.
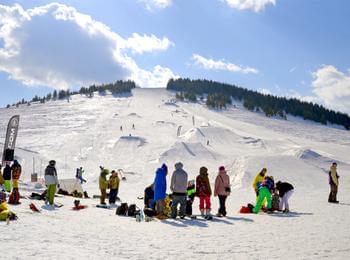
{"x":208,"y":216}
{"x":202,"y":213}
{"x":86,"y":196}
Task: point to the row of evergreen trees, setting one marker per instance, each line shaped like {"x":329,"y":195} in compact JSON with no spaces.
{"x":115,"y":88}
{"x":220,"y":94}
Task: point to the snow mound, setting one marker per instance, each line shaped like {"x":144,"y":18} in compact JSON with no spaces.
{"x":134,"y":115}
{"x":130,"y":141}
{"x":308,"y":154}
{"x":164,"y":123}
{"x":181,"y":150}
{"x":254,"y":142}
{"x":170,"y":104}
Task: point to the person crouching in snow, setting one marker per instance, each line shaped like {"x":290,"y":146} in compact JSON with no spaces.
{"x":204,"y":192}
{"x":222,"y":190}
{"x":264,"y":189}
{"x":113,"y":186}
{"x":160,"y":189}
{"x":51,"y":182}
{"x":285,"y":191}
{"x":103,"y":185}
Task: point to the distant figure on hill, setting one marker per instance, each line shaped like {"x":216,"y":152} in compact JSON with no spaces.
{"x":285,"y":191}
{"x":334,"y":183}
{"x":178,"y":186}
{"x":121,"y":128}
{"x":222,"y":190}
{"x":51,"y":182}
{"x":133,"y":126}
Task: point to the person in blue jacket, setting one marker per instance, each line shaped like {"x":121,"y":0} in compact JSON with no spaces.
{"x":160,"y":188}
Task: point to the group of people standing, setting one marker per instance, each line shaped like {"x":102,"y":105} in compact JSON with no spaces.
{"x":9,"y":180}
{"x":183,"y":192}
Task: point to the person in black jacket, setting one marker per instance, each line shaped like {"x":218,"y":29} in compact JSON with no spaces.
{"x":285,"y":191}
{"x":7,"y":178}
{"x":149,"y":197}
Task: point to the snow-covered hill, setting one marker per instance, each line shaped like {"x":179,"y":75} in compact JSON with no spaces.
{"x":87,"y":132}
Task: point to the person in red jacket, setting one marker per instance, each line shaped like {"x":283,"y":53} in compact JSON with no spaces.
{"x":203,"y":191}
{"x":222,"y":190}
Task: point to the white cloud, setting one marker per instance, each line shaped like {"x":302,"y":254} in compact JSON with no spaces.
{"x":56,"y":46}
{"x":211,"y":64}
{"x":254,"y":5}
{"x":158,"y":78}
{"x":156,"y":4}
{"x":144,"y":43}
{"x":332,"y":87}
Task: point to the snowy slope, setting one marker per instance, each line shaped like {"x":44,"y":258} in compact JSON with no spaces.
{"x":86,"y":132}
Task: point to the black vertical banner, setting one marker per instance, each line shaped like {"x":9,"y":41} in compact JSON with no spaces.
{"x":11,"y":136}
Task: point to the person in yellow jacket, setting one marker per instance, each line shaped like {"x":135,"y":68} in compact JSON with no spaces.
{"x":5,"y":213}
{"x":334,"y":183}
{"x":103,"y":184}
{"x":113,"y":186}
{"x":259,"y":178}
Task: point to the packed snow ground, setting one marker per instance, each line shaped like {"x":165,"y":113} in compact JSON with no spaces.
{"x":86,"y":132}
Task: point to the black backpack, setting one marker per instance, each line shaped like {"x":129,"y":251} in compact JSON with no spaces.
{"x":132,"y":210}
{"x":122,"y":210}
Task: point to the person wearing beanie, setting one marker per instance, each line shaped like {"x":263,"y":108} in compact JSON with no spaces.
{"x":178,"y":186}
{"x":16,"y":170}
{"x":222,"y":190}
{"x":114,"y":187}
{"x":51,"y":182}
{"x":103,"y":185}
{"x":203,"y":190}
{"x":160,"y":189}
{"x":7,"y":177}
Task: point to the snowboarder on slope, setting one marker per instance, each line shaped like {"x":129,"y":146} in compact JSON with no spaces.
{"x":204,"y":192}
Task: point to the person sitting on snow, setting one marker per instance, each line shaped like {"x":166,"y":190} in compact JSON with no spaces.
{"x":264,"y":189}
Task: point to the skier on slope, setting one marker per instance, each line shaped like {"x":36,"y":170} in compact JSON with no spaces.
{"x":204,"y":192}
{"x":51,"y":182}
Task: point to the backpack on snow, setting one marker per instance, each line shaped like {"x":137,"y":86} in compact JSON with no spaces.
{"x":122,"y":210}
{"x":133,"y":210}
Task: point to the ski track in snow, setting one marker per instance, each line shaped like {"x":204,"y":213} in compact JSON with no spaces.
{"x":86,"y":132}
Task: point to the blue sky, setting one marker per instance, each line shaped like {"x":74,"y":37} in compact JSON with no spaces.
{"x":285,"y":47}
